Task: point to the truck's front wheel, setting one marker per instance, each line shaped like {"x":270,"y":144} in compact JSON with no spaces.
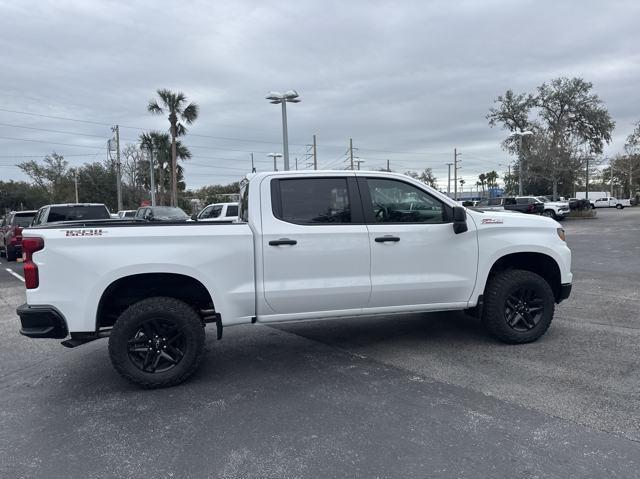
{"x":157,"y":342}
{"x":518,"y":306}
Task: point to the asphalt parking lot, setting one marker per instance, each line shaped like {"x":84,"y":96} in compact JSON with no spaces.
{"x":413,"y":396}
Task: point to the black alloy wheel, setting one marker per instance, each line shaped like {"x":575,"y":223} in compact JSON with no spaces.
{"x":157,"y":346}
{"x":523,"y":309}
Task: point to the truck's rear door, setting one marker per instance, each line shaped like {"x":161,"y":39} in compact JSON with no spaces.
{"x":315,"y":245}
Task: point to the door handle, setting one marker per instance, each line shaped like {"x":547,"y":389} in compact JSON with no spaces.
{"x":282,"y":241}
{"x":384,"y":239}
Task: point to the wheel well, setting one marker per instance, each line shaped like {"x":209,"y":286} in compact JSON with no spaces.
{"x":538,"y":263}
{"x":126,"y":291}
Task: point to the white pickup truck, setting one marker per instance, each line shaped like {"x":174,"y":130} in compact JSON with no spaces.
{"x":307,"y":245}
{"x":610,"y":202}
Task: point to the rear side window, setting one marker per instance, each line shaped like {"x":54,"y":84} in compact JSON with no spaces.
{"x":309,"y":201}
{"x":232,"y":210}
{"x":73,"y":213}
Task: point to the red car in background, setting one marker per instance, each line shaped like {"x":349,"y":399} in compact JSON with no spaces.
{"x":11,"y":233}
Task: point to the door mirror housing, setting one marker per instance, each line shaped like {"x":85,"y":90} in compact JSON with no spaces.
{"x":194,"y":217}
{"x":459,"y":220}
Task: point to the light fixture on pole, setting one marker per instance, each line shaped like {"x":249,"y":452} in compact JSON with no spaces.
{"x":275,"y":157}
{"x":290,"y":96}
{"x":519,"y":135}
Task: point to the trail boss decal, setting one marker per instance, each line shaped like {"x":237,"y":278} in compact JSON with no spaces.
{"x":491,"y":221}
{"x":96,"y":232}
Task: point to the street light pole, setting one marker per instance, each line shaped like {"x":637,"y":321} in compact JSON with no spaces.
{"x":290,"y":96}
{"x":275,"y":157}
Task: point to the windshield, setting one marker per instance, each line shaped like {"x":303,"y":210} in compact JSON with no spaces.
{"x":168,"y":212}
{"x":543,"y":199}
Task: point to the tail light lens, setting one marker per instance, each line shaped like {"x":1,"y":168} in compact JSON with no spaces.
{"x":30,"y":246}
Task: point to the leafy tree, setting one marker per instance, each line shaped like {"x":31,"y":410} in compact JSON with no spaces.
{"x":427,"y":177}
{"x":52,"y":174}
{"x":20,"y":195}
{"x":175,"y":104}
{"x":569,"y":123}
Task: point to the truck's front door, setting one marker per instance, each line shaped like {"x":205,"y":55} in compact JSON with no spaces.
{"x":416,"y":258}
{"x":315,"y":245}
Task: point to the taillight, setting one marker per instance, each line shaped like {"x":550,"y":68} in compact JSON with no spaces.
{"x":30,"y":269}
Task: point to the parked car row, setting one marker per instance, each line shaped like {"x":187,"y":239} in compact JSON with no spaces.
{"x":539,"y":205}
{"x":13,"y":223}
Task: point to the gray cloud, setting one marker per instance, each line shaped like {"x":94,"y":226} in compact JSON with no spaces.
{"x":409,"y":81}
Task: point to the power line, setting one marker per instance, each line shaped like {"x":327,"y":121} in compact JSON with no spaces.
{"x":54,"y":117}
{"x":53,"y":131}
{"x":47,"y":142}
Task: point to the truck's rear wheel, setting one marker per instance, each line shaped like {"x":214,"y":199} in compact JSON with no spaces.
{"x":549,"y":214}
{"x":518,"y":306}
{"x":157,"y":342}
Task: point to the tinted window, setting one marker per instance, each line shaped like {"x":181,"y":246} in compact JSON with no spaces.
{"x":509,"y":201}
{"x":312,"y":200}
{"x":232,"y":210}
{"x":23,"y":220}
{"x":129,"y":214}
{"x":494,"y":202}
{"x":168,"y":213}
{"x":398,"y":202}
{"x":80,"y":212}
{"x":215,"y":211}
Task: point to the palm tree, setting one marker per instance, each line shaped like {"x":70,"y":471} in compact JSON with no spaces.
{"x":462,"y":182}
{"x":483,"y":178}
{"x":492,"y":179}
{"x":162,"y":146}
{"x":175,"y":104}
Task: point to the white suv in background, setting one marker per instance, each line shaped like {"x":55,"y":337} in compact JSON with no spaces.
{"x":557,"y":210}
{"x":218,"y":212}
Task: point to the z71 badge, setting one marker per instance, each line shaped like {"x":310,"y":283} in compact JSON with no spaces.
{"x":83,"y":232}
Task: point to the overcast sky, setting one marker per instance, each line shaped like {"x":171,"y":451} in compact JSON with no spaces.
{"x":408,"y":81}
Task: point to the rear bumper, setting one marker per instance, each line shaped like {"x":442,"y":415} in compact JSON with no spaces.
{"x":565,"y":291}
{"x":42,"y":322}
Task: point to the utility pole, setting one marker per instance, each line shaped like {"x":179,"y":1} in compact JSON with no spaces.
{"x":586,"y":188}
{"x":296,"y":163}
{"x":152,"y":177}
{"x":455,"y":173}
{"x":315,"y":153}
{"x":388,"y":167}
{"x":351,"y":152}
{"x":75,"y":180}
{"x":116,"y":129}
{"x":449,"y":179}
{"x":611,"y":173}
{"x":358,"y":161}
{"x":253,"y":168}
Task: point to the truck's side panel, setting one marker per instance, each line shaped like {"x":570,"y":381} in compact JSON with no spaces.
{"x":216,"y":255}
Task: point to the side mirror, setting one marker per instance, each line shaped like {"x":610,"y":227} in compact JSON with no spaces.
{"x":194,"y":217}
{"x":459,"y":220}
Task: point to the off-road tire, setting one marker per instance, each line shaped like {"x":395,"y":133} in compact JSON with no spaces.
{"x":186,"y":320}
{"x":498,"y":289}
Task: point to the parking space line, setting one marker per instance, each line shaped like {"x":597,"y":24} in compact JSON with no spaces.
{"x":13,"y":273}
